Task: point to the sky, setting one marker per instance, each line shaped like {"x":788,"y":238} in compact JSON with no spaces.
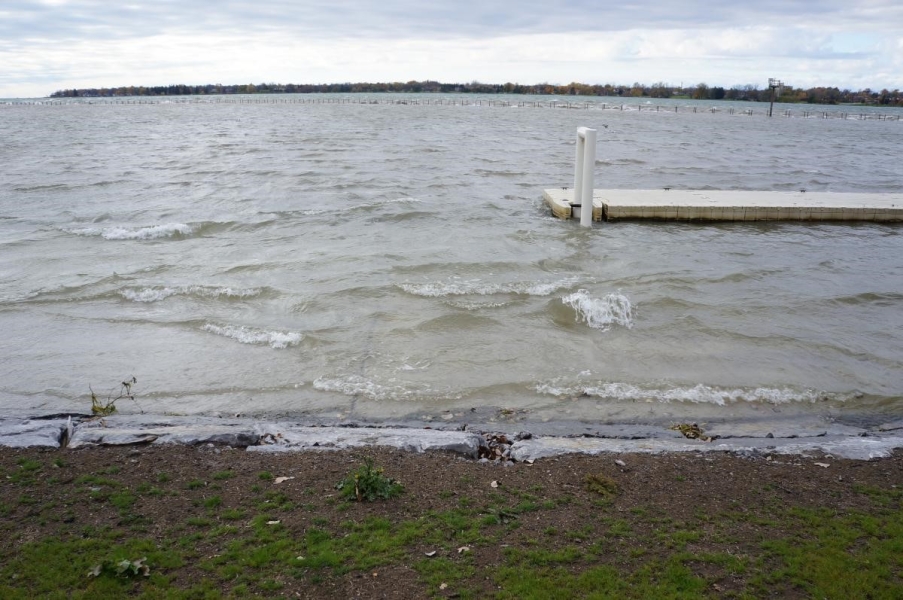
{"x":50,"y":45}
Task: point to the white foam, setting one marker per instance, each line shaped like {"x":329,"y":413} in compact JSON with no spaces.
{"x":601,"y":313}
{"x":420,"y":365}
{"x":697,"y":394}
{"x":405,"y":200}
{"x":248,"y":335}
{"x":139,"y":233}
{"x":478,"y":287}
{"x":471,"y":305}
{"x":155,"y":294}
{"x":355,"y":385}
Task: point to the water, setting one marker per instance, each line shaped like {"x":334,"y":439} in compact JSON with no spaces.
{"x":381,"y":262}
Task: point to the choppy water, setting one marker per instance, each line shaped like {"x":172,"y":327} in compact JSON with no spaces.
{"x":393,"y":261}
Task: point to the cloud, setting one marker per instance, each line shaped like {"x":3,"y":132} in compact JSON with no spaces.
{"x":54,"y":44}
{"x":90,"y":19}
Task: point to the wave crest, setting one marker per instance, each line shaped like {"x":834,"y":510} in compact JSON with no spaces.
{"x":601,"y":313}
{"x":167,"y":230}
{"x":248,"y":335}
{"x":697,"y":394}
{"x":155,"y":294}
{"x":478,"y":287}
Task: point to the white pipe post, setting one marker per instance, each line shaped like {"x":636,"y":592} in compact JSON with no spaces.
{"x":586,"y":165}
{"x":578,"y":169}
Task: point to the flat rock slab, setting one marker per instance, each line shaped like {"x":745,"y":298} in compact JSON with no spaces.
{"x":128,"y":430}
{"x":281,"y":437}
{"x":859,"y":448}
{"x":264,"y":437}
{"x":28,"y":433}
{"x":788,"y":428}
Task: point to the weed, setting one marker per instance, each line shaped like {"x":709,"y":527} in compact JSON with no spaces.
{"x":105,"y":408}
{"x":368,"y":484}
{"x":499,"y":516}
{"x":123,"y":568}
{"x":265,"y":475}
{"x":602,"y":485}
{"x":221,"y":475}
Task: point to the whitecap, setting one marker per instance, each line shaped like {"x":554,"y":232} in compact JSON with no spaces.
{"x":248,"y":335}
{"x":696,"y":394}
{"x":154,"y":294}
{"x":136,"y":233}
{"x":478,"y":287}
{"x":355,"y":385}
{"x":601,"y":313}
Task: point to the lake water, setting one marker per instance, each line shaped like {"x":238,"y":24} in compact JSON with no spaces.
{"x":374,"y":262}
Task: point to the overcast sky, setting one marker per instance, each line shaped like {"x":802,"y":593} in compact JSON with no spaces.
{"x":48,"y":45}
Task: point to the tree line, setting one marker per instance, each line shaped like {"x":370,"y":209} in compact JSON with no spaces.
{"x":701,"y":91}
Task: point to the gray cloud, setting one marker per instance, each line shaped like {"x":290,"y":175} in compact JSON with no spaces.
{"x":87,"y":19}
{"x":51,"y":44}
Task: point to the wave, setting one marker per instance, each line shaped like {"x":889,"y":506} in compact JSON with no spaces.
{"x":155,"y":294}
{"x":338,"y":208}
{"x":355,"y":385}
{"x":167,"y":230}
{"x":697,"y":394}
{"x":248,"y":335}
{"x":601,"y":313}
{"x":877,"y":298}
{"x":479,"y":287}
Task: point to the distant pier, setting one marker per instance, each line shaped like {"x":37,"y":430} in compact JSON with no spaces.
{"x":721,"y":205}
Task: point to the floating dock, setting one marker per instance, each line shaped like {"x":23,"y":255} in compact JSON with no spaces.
{"x":721,"y":205}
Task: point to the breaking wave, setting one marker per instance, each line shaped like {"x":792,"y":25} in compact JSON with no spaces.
{"x":155,"y":294}
{"x":260,"y":337}
{"x":601,"y":313}
{"x":478,"y":287}
{"x":167,"y":230}
{"x":697,"y":394}
{"x":355,"y":385}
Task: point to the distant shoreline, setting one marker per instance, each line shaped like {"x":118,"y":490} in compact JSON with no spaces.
{"x":701,"y":91}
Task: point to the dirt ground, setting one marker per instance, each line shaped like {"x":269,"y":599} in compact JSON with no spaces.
{"x":556,"y":504}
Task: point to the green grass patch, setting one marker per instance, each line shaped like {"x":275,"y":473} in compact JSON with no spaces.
{"x":368,"y":483}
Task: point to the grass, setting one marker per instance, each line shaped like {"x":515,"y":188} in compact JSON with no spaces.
{"x":501,"y":543}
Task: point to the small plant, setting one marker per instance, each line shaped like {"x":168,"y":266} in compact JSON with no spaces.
{"x":123,"y":568}
{"x":106,"y":408}
{"x":368,"y":484}
{"x":602,"y":485}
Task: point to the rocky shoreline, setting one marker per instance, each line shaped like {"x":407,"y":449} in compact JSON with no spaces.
{"x":515,"y":442}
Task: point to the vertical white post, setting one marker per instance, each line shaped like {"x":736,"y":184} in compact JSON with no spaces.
{"x":583,"y":173}
{"x":578,"y":169}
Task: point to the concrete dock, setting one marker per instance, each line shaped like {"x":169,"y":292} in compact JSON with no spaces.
{"x":721,"y":205}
